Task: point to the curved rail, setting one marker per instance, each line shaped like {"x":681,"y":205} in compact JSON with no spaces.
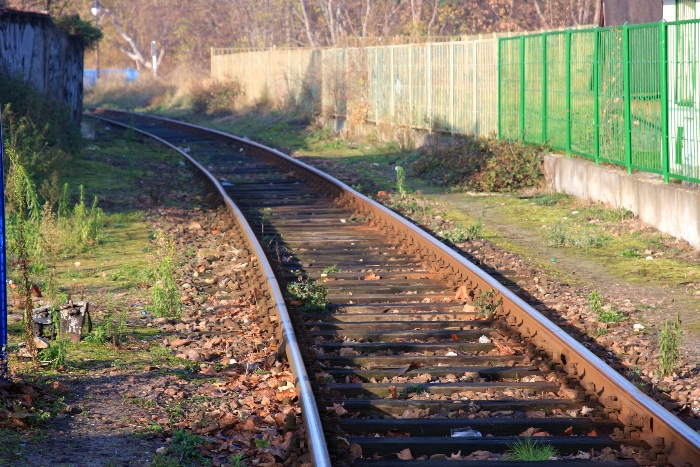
{"x":310,"y":417}
{"x":672,"y":440}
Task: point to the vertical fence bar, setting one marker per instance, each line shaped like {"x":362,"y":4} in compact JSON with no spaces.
{"x":475,"y":88}
{"x":628,"y":95}
{"x":391,"y":87}
{"x":429,"y":79}
{"x":522,"y":87}
{"x":4,"y":371}
{"x":663,"y":85}
{"x":568,"y":91}
{"x":410,"y":85}
{"x":452,"y":88}
{"x":544,"y":87}
{"x":499,"y":129}
{"x":376,"y":85}
{"x":596,"y":97}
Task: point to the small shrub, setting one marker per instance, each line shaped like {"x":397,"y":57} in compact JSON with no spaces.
{"x":528,"y":450}
{"x":401,"y":187}
{"x":595,"y":302}
{"x":459,"y":235}
{"x":630,"y":253}
{"x":567,"y":234}
{"x":55,"y":356}
{"x":669,"y":347}
{"x":332,"y":269}
{"x":186,"y":444}
{"x":216,"y":98}
{"x":311,"y":293}
{"x":481,"y":164}
{"x":486,"y":303}
{"x":86,"y":31}
{"x":164,"y":293}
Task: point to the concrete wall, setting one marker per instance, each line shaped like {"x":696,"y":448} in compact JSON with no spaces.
{"x":671,"y":208}
{"x":47,"y":57}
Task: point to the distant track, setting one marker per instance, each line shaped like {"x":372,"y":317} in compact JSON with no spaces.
{"x":397,"y":313}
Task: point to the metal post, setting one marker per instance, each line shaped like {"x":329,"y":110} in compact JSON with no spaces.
{"x":663,"y":69}
{"x":154,"y":57}
{"x":544,"y":87}
{"x":568,"y":92}
{"x":499,"y":128}
{"x":411,"y":122}
{"x":475,"y":88}
{"x":4,"y":370}
{"x":391,"y":87}
{"x":596,"y":96}
{"x":522,"y":88}
{"x":452,"y":87}
{"x":376,"y":85}
{"x":628,"y":103}
{"x":429,"y":71}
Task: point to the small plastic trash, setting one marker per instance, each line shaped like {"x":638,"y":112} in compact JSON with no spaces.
{"x":484,"y":340}
{"x":466,"y":432}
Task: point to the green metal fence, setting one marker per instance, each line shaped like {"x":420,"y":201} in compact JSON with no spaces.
{"x":625,"y":95}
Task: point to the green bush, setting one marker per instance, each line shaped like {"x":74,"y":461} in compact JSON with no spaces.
{"x":216,"y":98}
{"x":481,"y":164}
{"x":85,"y":31}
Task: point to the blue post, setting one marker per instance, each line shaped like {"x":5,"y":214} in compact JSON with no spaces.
{"x":4,"y":373}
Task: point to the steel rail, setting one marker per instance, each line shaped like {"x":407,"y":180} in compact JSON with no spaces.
{"x":310,"y":417}
{"x":672,"y":440}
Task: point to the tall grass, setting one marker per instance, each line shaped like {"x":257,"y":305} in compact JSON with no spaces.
{"x":165,"y":296}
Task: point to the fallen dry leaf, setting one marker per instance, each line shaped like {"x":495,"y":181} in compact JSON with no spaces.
{"x":405,"y":455}
{"x":569,"y":431}
{"x":372,"y":277}
{"x":504,"y":349}
{"x":392,"y":391}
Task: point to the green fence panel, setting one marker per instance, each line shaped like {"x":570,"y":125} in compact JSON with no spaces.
{"x":441,"y":67}
{"x":557,"y":116}
{"x":645,"y":98}
{"x":612,"y":96}
{"x":419,"y":86}
{"x":509,"y":83}
{"x":401,"y":86}
{"x":534,"y":90}
{"x":683,"y":100}
{"x":583,"y":106}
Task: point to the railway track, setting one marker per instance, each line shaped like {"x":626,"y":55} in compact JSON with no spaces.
{"x":415,"y":354}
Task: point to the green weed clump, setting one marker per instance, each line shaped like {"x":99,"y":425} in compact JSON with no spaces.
{"x":186,"y":445}
{"x":216,"y":98}
{"x":567,"y":234}
{"x":165,"y":296}
{"x":611,"y":315}
{"x":310,"y":292}
{"x":55,"y":356}
{"x":549,"y":199}
{"x":528,"y":450}
{"x":459,"y":234}
{"x":669,"y":347}
{"x":481,"y":164}
{"x":486,"y":303}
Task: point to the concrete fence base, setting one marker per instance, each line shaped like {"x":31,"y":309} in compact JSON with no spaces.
{"x":671,"y":208}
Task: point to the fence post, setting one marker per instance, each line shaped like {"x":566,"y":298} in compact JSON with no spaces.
{"x":4,"y":371}
{"x":663,"y":84}
{"x":596,"y":96}
{"x":452,"y":87}
{"x":628,"y":103}
{"x":391,"y":86}
{"x":568,"y":92}
{"x":544,"y":87}
{"x":410,"y":85}
{"x":376,"y":85}
{"x":475,"y":87}
{"x":429,"y":72}
{"x":522,"y":87}
{"x":499,"y":129}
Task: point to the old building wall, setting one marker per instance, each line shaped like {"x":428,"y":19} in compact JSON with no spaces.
{"x":34,"y":49}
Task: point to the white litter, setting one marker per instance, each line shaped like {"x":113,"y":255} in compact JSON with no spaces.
{"x":465,"y":433}
{"x":484,"y":340}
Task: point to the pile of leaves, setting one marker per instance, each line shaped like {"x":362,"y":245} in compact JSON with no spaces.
{"x":481,"y":164}
{"x":23,"y":404}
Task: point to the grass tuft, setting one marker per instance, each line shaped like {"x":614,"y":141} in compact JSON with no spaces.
{"x":526,"y":449}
